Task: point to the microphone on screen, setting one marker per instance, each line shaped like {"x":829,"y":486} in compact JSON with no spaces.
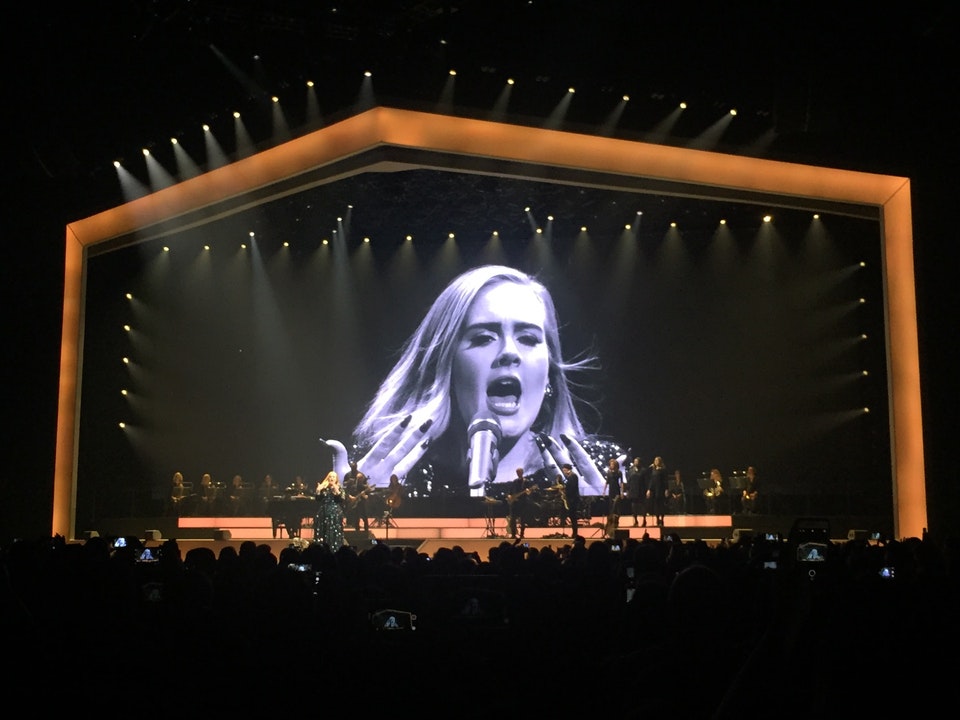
{"x":483,"y":439}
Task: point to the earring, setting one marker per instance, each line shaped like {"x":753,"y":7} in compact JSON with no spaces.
{"x":549,"y":391}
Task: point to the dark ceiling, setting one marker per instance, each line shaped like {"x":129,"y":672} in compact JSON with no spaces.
{"x":102,"y":85}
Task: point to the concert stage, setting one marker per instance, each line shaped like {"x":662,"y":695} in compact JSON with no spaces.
{"x":471,"y":533}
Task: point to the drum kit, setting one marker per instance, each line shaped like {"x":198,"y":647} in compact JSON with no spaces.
{"x":545,"y":506}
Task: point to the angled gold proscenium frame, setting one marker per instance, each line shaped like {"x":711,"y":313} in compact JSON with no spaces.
{"x":388,"y":138}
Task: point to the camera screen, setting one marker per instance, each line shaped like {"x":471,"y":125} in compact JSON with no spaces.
{"x":811,"y":552}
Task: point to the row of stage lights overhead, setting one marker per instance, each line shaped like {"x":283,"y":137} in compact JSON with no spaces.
{"x":510,"y":83}
{"x":628,"y":227}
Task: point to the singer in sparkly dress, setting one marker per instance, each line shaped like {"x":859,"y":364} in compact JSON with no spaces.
{"x":328,"y":523}
{"x":487,"y":355}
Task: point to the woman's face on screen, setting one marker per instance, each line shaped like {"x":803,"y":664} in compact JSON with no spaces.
{"x":502,"y":362}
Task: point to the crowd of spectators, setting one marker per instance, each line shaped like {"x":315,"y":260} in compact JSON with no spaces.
{"x":688,"y":629}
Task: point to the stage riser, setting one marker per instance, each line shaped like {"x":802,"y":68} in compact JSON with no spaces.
{"x":688,"y":527}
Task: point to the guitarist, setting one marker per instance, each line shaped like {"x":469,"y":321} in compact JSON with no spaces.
{"x":519,"y":504}
{"x":357,"y":488}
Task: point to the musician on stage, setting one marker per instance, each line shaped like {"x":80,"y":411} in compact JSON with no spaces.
{"x":519,"y":504}
{"x":394,"y":497}
{"x":357,"y":488}
{"x":570,"y":495}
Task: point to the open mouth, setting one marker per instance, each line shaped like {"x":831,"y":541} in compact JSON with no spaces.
{"x":503,"y":395}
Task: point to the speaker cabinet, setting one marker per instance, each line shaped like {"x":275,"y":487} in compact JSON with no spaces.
{"x":221,"y":534}
{"x":359,"y":539}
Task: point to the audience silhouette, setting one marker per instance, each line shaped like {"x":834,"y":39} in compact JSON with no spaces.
{"x":698,"y":629}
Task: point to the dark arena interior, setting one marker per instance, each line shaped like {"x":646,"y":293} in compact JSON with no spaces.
{"x":228,"y":222}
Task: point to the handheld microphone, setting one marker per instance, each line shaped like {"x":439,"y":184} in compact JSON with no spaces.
{"x":483,"y":438}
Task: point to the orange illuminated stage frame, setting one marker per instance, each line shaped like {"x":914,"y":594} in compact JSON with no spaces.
{"x":392,"y":139}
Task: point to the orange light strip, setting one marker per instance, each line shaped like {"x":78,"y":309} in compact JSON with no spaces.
{"x":543,"y":148}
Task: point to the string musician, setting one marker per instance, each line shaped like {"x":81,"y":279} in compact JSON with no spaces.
{"x":519,"y":504}
{"x":714,"y":492}
{"x":394,"y":498}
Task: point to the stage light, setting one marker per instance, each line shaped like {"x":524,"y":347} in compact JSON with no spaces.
{"x":510,"y":81}
{"x":723,"y":221}
{"x":146,"y":153}
{"x":206,"y":128}
{"x":453,"y":72}
{"x":626,"y":98}
{"x":368,"y":74}
{"x":275,"y":99}
{"x":116,"y":164}
{"x":767,"y":218}
{"x":286,"y":243}
{"x":816,"y":216}
{"x":166,"y":248}
{"x":366,"y":240}
{"x":862,"y":264}
{"x":206,"y":247}
{"x":683,"y":106}
{"x":122,"y":425}
{"x":309,"y":83}
{"x":409,"y":238}
{"x":733,"y":111}
{"x":127,"y":328}
{"x":126,"y":361}
{"x":571,"y":90}
{"x":129,"y":296}
{"x":627,"y":226}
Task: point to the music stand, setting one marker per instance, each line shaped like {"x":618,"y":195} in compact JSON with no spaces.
{"x":490,"y":518}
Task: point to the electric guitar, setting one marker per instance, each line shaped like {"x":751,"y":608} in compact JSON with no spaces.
{"x":354,"y":500}
{"x":517,"y":495}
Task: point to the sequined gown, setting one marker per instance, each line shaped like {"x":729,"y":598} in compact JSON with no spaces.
{"x":328,"y":524}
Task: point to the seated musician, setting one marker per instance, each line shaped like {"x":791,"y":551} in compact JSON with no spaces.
{"x":178,"y":494}
{"x":676,"y":498}
{"x":714,"y":493}
{"x":297,"y":489}
{"x":394,"y":497}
